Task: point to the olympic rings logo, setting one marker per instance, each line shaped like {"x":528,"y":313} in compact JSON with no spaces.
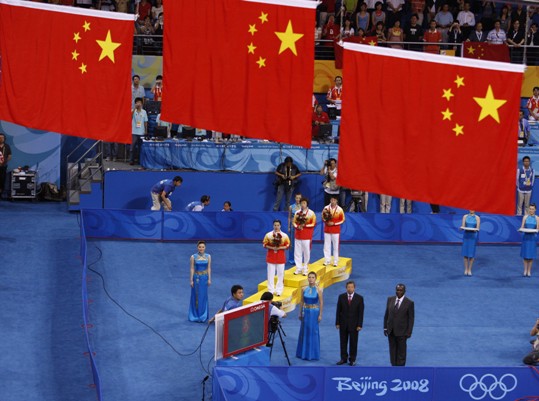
{"x":489,"y":385}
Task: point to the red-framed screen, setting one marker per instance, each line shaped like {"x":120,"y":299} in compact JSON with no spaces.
{"x":245,"y":328}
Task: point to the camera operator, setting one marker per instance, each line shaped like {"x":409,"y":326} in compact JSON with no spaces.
{"x":533,"y":357}
{"x":275,"y":307}
{"x":329,"y":169}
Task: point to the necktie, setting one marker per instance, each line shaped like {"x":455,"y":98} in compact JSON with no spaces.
{"x":397,"y":305}
{"x":349,"y":299}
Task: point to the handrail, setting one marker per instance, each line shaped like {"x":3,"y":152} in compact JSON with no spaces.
{"x":75,"y":181}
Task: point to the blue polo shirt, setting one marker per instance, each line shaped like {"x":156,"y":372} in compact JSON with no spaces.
{"x":164,"y":185}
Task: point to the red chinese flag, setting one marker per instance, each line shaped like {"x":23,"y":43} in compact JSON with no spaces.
{"x":435,"y":129}
{"x":66,"y":69}
{"x":338,"y":49}
{"x":241,"y":66}
{"x":486,"y":51}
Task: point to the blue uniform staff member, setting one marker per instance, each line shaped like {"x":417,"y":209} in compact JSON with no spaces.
{"x":197,"y":206}
{"x":162,"y":191}
{"x":232,"y":302}
{"x":274,"y":311}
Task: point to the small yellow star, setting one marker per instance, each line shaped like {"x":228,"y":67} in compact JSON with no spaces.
{"x":252,"y":29}
{"x":261,"y":62}
{"x":489,"y":105}
{"x":447,"y":114}
{"x":107,"y":47}
{"x":459,"y":81}
{"x":372,"y":43}
{"x":288,"y":39}
{"x":263,"y":17}
{"x":86,"y":26}
{"x":82,"y":68}
{"x":251,"y":48}
{"x":74,"y":55}
{"x":459,"y":130}
{"x":76,"y":37}
{"x":471,"y":50}
{"x":447,"y":94}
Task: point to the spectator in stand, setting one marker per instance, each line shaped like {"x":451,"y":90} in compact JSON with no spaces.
{"x":137,"y":90}
{"x":533,"y":105}
{"x":525,"y":180}
{"x":379,"y":32}
{"x":432,"y":36}
{"x":523,"y":129}
{"x":347,"y":30}
{"x":286,"y":179}
{"x":320,"y":117}
{"x":394,"y":10}
{"x":327,"y":8}
{"x":477,"y":35}
{"x":455,"y":35}
{"x":515,"y":38}
{"x":533,"y":42}
{"x":143,"y":9}
{"x":497,"y":36}
{"x":418,"y":7}
{"x":444,"y":20}
{"x":466,"y":20}
{"x":139,"y":129}
{"x":363,"y":18}
{"x":84,"y":3}
{"x":227,"y":206}
{"x":350,"y":7}
{"x":5,"y":157}
{"x":122,"y":6}
{"x":519,"y":14}
{"x":371,"y":5}
{"x":378,"y":15}
{"x":330,"y":31}
{"x":395,"y":34}
{"x":314,"y":103}
{"x":413,"y":33}
{"x":158,"y":26}
{"x":385,"y":203}
{"x":157,"y":10}
{"x":198,"y":206}
{"x":329,"y":170}
{"x":489,"y":15}
{"x":147,"y":29}
{"x":157,"y":88}
{"x":334,"y":95}
{"x":361,"y":35}
{"x":106,"y":5}
{"x":505,"y":19}
{"x":533,"y":14}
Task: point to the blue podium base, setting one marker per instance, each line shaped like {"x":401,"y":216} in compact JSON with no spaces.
{"x":254,"y":357}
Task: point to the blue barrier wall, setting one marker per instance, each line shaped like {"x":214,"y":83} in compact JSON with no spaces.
{"x":251,"y":226}
{"x":374,"y":383}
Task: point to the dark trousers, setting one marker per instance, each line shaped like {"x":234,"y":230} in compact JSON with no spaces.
{"x":3,"y":173}
{"x":346,"y":336}
{"x":397,"y":349}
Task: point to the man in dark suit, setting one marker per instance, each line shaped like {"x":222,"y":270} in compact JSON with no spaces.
{"x":398,"y":324}
{"x":349,"y":320}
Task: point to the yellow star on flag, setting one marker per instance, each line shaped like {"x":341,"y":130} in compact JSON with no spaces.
{"x":447,"y":114}
{"x":107,"y":47}
{"x":459,"y":130}
{"x":74,"y":55}
{"x":489,"y":105}
{"x":263,"y":17}
{"x":76,"y":37}
{"x":372,"y":43}
{"x":288,"y":39}
{"x":459,"y":81}
{"x":252,"y":29}
{"x":251,"y":48}
{"x":261,"y":62}
{"x":471,"y":50}
{"x":86,"y":26}
{"x":82,"y":68}
{"x":447,"y":94}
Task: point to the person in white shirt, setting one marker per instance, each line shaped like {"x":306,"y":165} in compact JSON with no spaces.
{"x":497,"y":36}
{"x":466,"y":19}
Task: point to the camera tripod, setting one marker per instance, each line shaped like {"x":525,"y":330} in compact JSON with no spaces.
{"x":275,"y":327}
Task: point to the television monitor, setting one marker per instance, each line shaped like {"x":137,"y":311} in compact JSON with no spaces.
{"x":188,"y":133}
{"x":161,"y":132}
{"x":324,"y":131}
{"x":241,"y":329}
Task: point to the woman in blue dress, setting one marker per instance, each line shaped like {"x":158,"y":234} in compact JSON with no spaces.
{"x":469,"y":240}
{"x":310,"y":314}
{"x":528,"y":250}
{"x":200,"y":280}
{"x":291,"y":230}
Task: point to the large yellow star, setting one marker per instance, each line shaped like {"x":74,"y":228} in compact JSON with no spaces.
{"x":76,"y":37}
{"x":288,"y":39}
{"x":74,"y":55}
{"x":107,"y":47}
{"x":86,"y":26}
{"x":459,"y":81}
{"x":82,"y":68}
{"x":261,"y":62}
{"x":251,"y":48}
{"x":471,"y":50}
{"x":447,"y":94}
{"x":489,"y":105}
{"x":252,"y":29}
{"x":447,"y":114}
{"x":263,"y":17}
{"x":459,"y":130}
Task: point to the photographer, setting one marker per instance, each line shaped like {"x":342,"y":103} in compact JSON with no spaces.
{"x":275,"y":307}
{"x":533,"y":357}
{"x":330,"y":183}
{"x":287,"y":177}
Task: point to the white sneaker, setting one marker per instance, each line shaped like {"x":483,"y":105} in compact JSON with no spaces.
{"x":305,"y":272}
{"x":298,"y":271}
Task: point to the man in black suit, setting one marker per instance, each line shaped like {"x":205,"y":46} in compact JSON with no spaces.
{"x":349,"y":320}
{"x":398,"y":324}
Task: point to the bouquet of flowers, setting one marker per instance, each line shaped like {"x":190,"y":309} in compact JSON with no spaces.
{"x":276,"y":241}
{"x":301,"y":218}
{"x":326,"y":215}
